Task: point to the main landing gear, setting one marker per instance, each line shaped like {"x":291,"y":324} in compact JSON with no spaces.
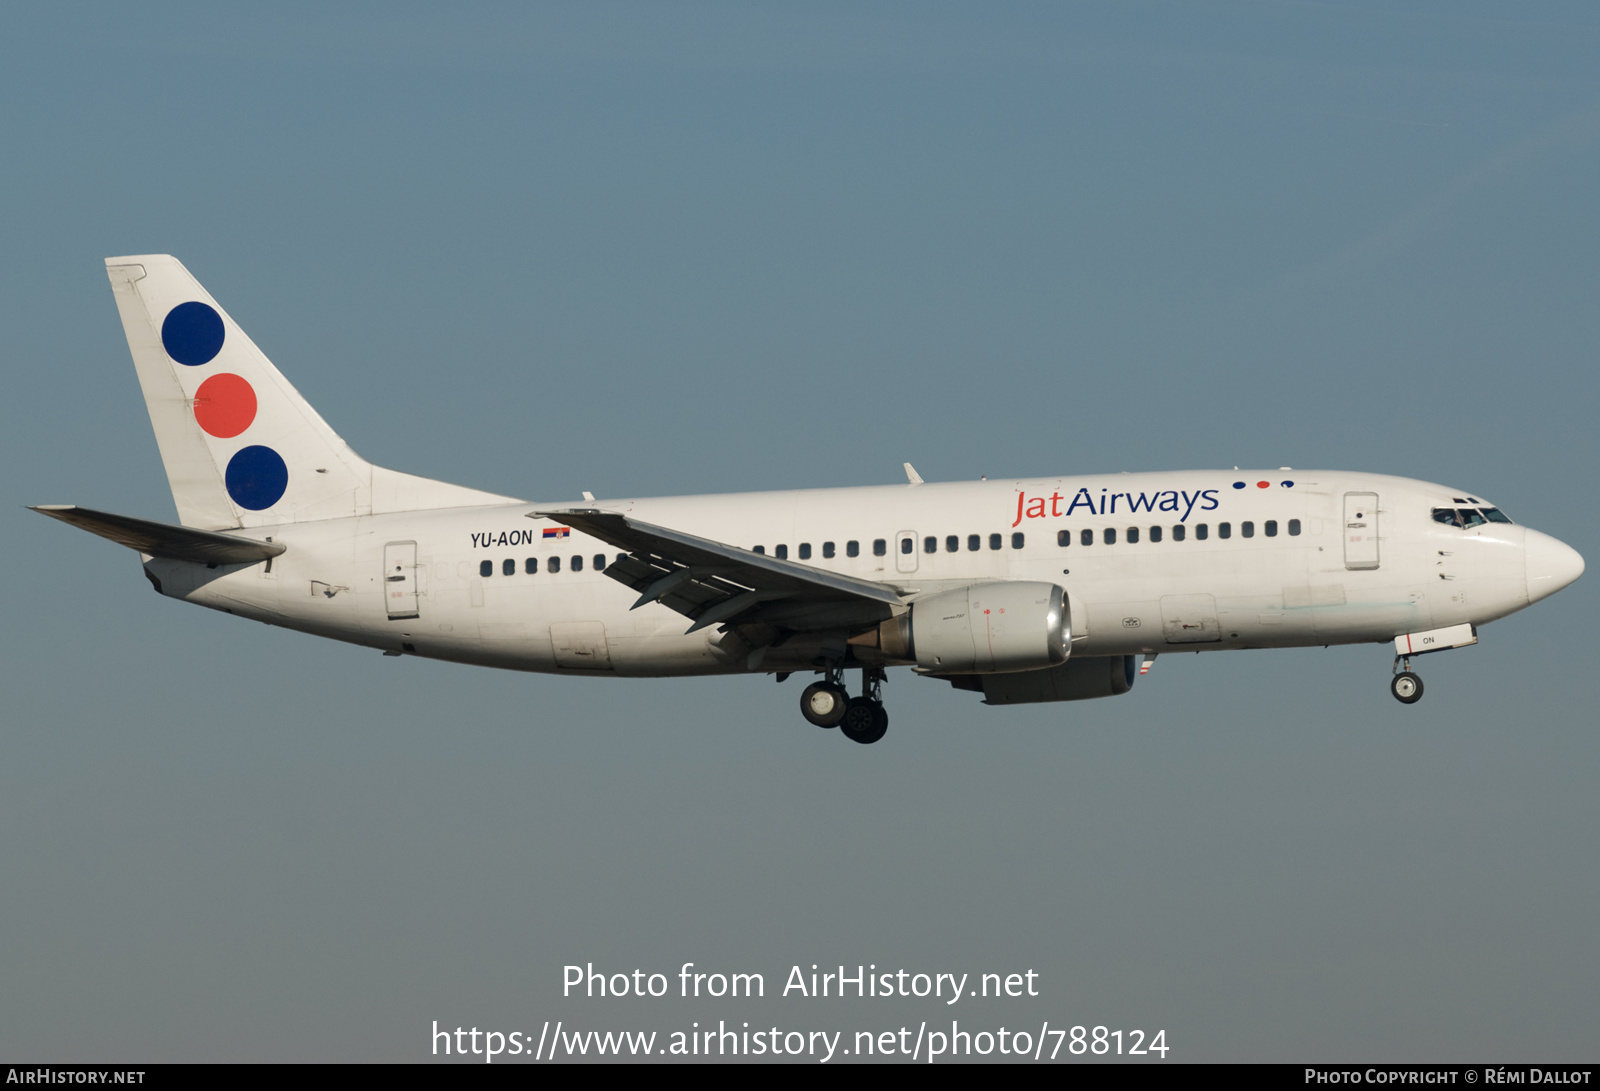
{"x":1406,"y":687}
{"x":860,"y":719}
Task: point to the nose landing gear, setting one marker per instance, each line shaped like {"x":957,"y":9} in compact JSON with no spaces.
{"x":1406,"y":687}
{"x":860,"y":719}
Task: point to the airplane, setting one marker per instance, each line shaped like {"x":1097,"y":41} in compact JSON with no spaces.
{"x":1027,"y":590}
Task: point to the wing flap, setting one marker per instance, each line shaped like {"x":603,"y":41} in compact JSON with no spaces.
{"x":164,"y":539}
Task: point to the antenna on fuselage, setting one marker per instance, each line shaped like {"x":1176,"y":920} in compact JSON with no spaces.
{"x":911,"y":474}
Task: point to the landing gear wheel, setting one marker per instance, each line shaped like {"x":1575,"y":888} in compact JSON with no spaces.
{"x":864,"y":721}
{"x":824,"y":704}
{"x":1406,"y":687}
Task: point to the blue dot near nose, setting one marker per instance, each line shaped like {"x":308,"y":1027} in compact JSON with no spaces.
{"x":256,"y":477}
{"x":192,"y":334}
{"x":1238,"y":484}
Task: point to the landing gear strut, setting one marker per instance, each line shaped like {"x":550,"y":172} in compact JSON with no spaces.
{"x":828,"y":704}
{"x":865,"y":721}
{"x":1406,"y":687}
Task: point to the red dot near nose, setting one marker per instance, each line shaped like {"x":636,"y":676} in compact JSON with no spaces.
{"x":1262,"y":484}
{"x":225,"y":405}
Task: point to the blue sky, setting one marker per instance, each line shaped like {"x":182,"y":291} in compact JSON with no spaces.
{"x":647,"y":249}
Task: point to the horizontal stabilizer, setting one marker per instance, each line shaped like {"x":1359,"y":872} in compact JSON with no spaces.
{"x":164,"y":539}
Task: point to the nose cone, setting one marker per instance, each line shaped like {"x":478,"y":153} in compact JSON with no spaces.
{"x":1551,"y":565}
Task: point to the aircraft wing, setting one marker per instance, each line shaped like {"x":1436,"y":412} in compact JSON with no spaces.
{"x":164,"y":539}
{"x":711,"y":583}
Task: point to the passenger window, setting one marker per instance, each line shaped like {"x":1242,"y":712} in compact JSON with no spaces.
{"x":1155,"y":534}
{"x":1224,"y":530}
{"x":1016,"y":540}
{"x":509,"y":566}
{"x":1109,"y":535}
{"x":974,"y":543}
{"x":781,"y":552}
{"x":827,"y":551}
{"x":879,"y":547}
{"x":1247,"y":530}
{"x":1086,"y":536}
{"x":759,"y":549}
{"x":952,"y":544}
{"x":553,"y":564}
{"x":486,"y":569}
{"x":619,"y":558}
{"x":905,"y":545}
{"x":994,"y":541}
{"x":1179,"y":532}
{"x":577,"y":564}
{"x":599,"y":562}
{"x":1133,"y":535}
{"x":805,"y":551}
{"x":930,"y":544}
{"x":1495,"y":515}
{"x":1201,"y":532}
{"x":1271,"y":527}
{"x":852,"y":548}
{"x":1063,"y":538}
{"x":1294,"y":527}
{"x":531,"y":565}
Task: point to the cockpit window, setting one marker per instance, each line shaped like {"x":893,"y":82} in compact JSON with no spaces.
{"x":1467,"y":517}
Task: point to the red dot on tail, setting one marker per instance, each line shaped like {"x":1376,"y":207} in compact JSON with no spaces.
{"x":225,"y":405}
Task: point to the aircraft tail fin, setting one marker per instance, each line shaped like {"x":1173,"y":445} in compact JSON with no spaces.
{"x":240,"y":445}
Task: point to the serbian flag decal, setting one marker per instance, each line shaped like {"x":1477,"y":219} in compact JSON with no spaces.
{"x":557,"y":532}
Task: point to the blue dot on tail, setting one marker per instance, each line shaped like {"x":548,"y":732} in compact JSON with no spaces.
{"x":192,"y":334}
{"x":256,"y":478}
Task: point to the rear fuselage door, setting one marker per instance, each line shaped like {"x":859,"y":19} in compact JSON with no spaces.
{"x":1361,"y":530}
{"x":905,"y":551}
{"x":400,"y":579}
{"x":581,"y":645}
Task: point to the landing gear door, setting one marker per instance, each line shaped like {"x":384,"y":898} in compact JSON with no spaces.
{"x":905,"y":551}
{"x":400,"y":580}
{"x":1361,"y":530}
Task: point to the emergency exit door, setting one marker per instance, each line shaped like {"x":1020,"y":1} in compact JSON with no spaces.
{"x":400,"y":579}
{"x":905,"y":551}
{"x":1361,"y":530}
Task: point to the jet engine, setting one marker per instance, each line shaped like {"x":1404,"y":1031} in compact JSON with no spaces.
{"x":983,"y":629}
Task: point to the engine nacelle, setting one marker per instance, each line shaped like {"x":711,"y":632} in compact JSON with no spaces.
{"x":985,"y":628}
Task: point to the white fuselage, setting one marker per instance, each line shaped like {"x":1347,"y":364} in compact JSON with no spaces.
{"x":1293,"y":567}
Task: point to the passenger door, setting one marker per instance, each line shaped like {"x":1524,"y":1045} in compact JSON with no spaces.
{"x":400,"y":580}
{"x":1361,"y":530}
